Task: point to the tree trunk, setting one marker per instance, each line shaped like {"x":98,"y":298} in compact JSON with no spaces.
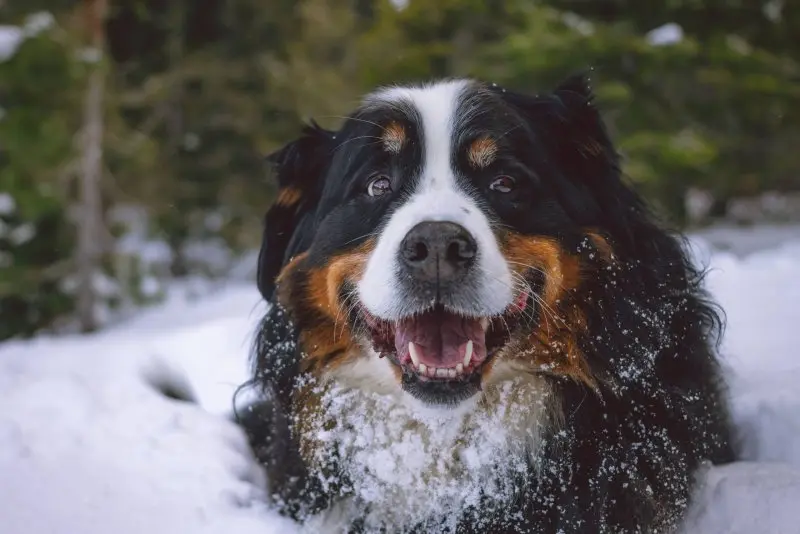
{"x":175,"y":133}
{"x":90,"y":211}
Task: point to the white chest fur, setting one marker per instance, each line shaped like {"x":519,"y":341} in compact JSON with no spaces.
{"x":407,"y":462}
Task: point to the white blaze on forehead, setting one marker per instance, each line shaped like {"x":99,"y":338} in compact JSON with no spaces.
{"x":436,"y":105}
{"x":437,"y":197}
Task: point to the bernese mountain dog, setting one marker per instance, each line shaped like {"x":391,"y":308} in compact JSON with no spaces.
{"x":477,"y":327}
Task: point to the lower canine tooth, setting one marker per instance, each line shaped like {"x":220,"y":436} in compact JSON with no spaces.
{"x":460,"y":368}
{"x":422,"y":369}
{"x":441,"y":373}
{"x":412,"y":350}
{"x":468,"y":354}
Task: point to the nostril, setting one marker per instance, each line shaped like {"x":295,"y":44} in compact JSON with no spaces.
{"x":454,"y":252}
{"x":415,"y":250}
{"x":418,"y":252}
{"x":460,"y":250}
{"x":467,"y":249}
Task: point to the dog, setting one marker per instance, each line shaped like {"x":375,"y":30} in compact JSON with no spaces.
{"x":476,"y":326}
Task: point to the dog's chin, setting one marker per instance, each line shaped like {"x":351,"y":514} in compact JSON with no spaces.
{"x":442,"y":353}
{"x":441,"y":393}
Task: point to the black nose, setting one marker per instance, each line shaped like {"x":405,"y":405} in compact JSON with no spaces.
{"x":438,"y":251}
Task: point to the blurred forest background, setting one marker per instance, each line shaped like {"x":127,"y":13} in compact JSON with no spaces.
{"x":132,"y":132}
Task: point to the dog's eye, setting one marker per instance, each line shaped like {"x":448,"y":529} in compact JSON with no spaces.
{"x":379,"y":186}
{"x":503,"y":184}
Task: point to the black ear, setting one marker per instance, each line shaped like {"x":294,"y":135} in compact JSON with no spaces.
{"x":580,"y":129}
{"x":300,"y":167}
{"x":570,"y":124}
{"x":575,"y":135}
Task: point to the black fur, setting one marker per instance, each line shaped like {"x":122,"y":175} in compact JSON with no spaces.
{"x":300,"y":165}
{"x":627,"y":453}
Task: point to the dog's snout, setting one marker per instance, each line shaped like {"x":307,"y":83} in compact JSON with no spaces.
{"x":438,"y":251}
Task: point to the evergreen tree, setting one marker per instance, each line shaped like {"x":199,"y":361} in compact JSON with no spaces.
{"x":38,"y":93}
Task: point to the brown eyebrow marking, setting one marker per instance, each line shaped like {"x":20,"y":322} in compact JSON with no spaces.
{"x":481,"y":152}
{"x":288,"y":196}
{"x":394,"y":137}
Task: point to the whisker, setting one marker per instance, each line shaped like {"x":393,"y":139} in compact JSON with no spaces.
{"x":349,"y":303}
{"x":535,"y":268}
{"x":336,"y":318}
{"x":370,"y":234}
{"x":548,"y":310}
{"x":510,"y":130}
{"x":359,"y":119}
{"x":352,"y":303}
{"x":377,"y":140}
{"x":524,"y":285}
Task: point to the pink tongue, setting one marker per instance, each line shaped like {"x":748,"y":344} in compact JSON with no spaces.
{"x":441,"y":339}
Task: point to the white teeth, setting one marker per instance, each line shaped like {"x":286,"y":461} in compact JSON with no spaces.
{"x":485,"y":323}
{"x":440,"y":372}
{"x":412,"y":350}
{"x":468,"y":354}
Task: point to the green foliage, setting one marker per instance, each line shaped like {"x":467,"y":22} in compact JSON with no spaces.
{"x":198,"y":93}
{"x":703,"y":112}
{"x":36,"y":134}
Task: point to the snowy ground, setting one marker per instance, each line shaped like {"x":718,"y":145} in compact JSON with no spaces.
{"x":90,"y":444}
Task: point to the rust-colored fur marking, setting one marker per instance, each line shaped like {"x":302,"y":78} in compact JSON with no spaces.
{"x":326,"y":339}
{"x":307,"y":401}
{"x":288,"y":196}
{"x":602,"y":245}
{"x":394,"y":137}
{"x":481,"y":152}
{"x":544,"y":254}
{"x":553,"y":345}
{"x":591,"y":147}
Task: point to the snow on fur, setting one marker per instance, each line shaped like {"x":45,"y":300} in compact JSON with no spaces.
{"x":100,"y":433}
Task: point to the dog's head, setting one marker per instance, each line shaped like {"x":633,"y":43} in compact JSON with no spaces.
{"x":437,"y":241}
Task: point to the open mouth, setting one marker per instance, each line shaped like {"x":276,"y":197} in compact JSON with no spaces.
{"x":441,"y":352}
